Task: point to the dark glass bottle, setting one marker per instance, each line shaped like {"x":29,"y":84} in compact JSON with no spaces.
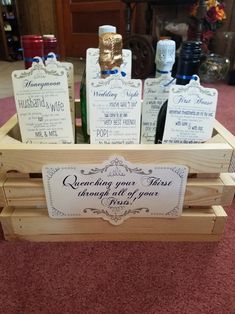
{"x":188,"y":65}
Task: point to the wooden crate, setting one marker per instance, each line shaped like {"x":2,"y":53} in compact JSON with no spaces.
{"x":209,"y":187}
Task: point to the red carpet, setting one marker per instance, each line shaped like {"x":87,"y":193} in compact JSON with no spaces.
{"x":123,"y":278}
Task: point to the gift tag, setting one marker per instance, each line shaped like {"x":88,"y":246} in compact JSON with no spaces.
{"x":116,"y":110}
{"x":156,"y":92}
{"x":42,"y":103}
{"x":93,"y":72}
{"x":52,"y":63}
{"x":190,"y":113}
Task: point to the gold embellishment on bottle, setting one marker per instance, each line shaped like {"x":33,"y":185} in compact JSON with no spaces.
{"x":110,"y":45}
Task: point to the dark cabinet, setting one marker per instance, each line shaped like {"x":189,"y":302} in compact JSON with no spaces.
{"x":9,"y":31}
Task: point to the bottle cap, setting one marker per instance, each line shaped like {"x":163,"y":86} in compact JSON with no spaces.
{"x":110,"y":47}
{"x":165,"y":55}
{"x":191,"y":50}
{"x":107,"y":29}
{"x":31,"y":37}
{"x":48,"y":36}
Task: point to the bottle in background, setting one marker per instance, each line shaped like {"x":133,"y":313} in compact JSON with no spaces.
{"x":83,"y":88}
{"x":32,"y":46}
{"x":188,"y":65}
{"x":50,"y":44}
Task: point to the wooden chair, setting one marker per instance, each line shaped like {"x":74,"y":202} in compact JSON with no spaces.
{"x":143,"y":46}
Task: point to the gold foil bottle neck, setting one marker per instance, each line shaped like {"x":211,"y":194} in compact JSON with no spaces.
{"x":110,"y":46}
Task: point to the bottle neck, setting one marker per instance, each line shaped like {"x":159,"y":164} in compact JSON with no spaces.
{"x":162,"y":73}
{"x":110,"y":58}
{"x":109,"y":72}
{"x":186,"y":69}
{"x":189,"y":61}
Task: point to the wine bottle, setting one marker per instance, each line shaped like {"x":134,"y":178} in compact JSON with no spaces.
{"x":165,"y":57}
{"x":156,"y":89}
{"x":83,"y":88}
{"x":188,"y":65}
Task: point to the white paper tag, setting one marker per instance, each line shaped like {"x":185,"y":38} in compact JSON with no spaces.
{"x":114,"y":190}
{"x":116,"y":111}
{"x":156,"y":92}
{"x":190,"y":113}
{"x":42,"y":103}
{"x":93,"y":72}
{"x":53,"y":63}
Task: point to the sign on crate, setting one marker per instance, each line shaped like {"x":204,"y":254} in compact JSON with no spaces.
{"x":114,"y":190}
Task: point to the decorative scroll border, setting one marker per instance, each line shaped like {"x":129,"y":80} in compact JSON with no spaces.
{"x":37,"y":67}
{"x":117,"y":162}
{"x":194,"y":84}
{"x":116,"y":217}
{"x":117,"y":80}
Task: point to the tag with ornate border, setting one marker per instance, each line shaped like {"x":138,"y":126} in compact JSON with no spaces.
{"x":116,"y":111}
{"x":190,"y":113}
{"x":42,"y":103}
{"x":53,"y":64}
{"x":114,"y":190}
{"x":156,"y":91}
{"x":93,"y":72}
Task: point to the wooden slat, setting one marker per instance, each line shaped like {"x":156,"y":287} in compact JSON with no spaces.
{"x":228,"y":194}
{"x":200,"y":158}
{"x":7,"y":227}
{"x":230,"y":139}
{"x":3,"y":200}
{"x":209,"y":158}
{"x":37,"y":221}
{"x":217,"y":138}
{"x":9,"y":140}
{"x":17,"y":175}
{"x":221,"y":218}
{"x":115,"y":237}
{"x":8,"y":126}
{"x":199,"y":192}
{"x":31,"y":225}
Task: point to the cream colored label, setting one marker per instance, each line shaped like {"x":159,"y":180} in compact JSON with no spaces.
{"x":53,"y":63}
{"x":42,"y":103}
{"x":116,"y":111}
{"x":114,"y":190}
{"x":93,"y":72}
{"x":156,"y":92}
{"x":190,"y":113}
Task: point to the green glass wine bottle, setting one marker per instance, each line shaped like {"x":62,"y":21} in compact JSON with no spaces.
{"x":83,"y":89}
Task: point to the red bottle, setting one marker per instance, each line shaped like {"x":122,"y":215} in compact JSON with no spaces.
{"x":50,"y":45}
{"x":32,"y":46}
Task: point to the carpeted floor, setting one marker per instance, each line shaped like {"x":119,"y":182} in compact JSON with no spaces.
{"x":122,"y":278}
{"x":119,"y":278}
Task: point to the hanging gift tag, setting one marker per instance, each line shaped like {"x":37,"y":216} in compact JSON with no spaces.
{"x":53,"y":64}
{"x":156,"y":92}
{"x":93,"y":72}
{"x":42,"y":103}
{"x":190,"y":113}
{"x":116,"y":111}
